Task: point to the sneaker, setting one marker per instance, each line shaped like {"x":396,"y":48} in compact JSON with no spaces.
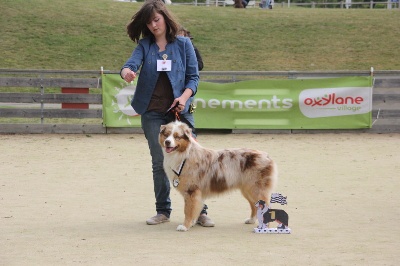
{"x":158,"y":219}
{"x":205,"y":221}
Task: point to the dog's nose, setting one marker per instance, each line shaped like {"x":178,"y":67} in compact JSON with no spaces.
{"x":167,"y":143}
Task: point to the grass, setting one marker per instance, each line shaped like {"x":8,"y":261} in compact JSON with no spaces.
{"x":85,"y":35}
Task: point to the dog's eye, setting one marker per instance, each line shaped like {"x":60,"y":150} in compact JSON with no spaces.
{"x":178,"y":137}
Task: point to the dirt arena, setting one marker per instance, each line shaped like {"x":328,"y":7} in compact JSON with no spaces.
{"x":84,"y":199}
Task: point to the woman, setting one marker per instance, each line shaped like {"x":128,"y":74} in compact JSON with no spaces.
{"x":168,"y":78}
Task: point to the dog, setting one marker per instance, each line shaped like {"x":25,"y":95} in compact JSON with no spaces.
{"x":199,"y":173}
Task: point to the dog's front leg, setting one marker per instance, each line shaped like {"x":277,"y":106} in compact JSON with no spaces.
{"x":193,"y":207}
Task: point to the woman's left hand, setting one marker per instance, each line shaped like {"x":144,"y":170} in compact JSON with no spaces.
{"x":180,"y":104}
{"x":182,"y":100}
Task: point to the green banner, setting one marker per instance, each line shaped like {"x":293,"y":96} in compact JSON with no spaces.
{"x":117,"y":97}
{"x":332,"y":103}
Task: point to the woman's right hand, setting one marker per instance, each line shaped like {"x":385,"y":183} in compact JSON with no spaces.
{"x":128,"y":75}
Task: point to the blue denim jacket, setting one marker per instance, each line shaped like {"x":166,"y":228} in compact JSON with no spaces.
{"x":184,"y":70}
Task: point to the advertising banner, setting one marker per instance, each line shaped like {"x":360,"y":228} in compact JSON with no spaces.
{"x":329,"y":103}
{"x":117,"y":97}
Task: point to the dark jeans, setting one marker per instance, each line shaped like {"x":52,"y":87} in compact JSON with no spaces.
{"x":151,"y":123}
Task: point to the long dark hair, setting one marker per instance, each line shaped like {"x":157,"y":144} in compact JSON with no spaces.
{"x":138,"y":26}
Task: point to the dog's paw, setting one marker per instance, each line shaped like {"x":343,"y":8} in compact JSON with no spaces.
{"x":250,"y":221}
{"x":181,"y":228}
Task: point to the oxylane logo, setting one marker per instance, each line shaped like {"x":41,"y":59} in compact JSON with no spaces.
{"x":329,"y":102}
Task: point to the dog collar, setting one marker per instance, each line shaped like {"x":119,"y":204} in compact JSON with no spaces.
{"x":178,"y":173}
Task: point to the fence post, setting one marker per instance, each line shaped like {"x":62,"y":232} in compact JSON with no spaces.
{"x":313,"y":4}
{"x":371,"y":4}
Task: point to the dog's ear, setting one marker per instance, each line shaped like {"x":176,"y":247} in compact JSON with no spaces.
{"x":188,"y":131}
{"x":162,"y":128}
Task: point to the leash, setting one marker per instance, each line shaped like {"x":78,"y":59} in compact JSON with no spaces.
{"x":177,"y":116}
{"x":172,"y":110}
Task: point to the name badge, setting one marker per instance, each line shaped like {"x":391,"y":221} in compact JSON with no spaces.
{"x":163,"y":65}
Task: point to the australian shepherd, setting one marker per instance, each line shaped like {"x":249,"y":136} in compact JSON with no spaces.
{"x":198,"y":173}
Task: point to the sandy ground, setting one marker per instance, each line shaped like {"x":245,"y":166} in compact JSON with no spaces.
{"x":84,"y":199}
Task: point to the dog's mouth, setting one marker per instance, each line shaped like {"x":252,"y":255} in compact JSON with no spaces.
{"x":170,"y":149}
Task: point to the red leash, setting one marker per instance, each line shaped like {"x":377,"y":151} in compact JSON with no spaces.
{"x":177,"y":116}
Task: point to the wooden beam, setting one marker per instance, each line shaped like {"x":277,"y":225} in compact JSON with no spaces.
{"x":50,"y":113}
{"x":10,"y":97}
{"x":51,"y":129}
{"x":51,"y":82}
